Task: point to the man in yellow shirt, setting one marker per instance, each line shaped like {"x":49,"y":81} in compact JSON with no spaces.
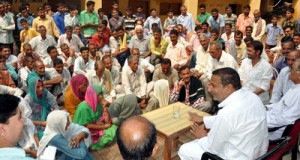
{"x":46,"y":21}
{"x":27,"y":33}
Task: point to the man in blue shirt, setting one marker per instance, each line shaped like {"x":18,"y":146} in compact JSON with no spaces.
{"x":216,"y":21}
{"x":24,"y":15}
{"x":59,"y":18}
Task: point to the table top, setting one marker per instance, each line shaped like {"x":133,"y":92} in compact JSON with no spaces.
{"x":166,"y":124}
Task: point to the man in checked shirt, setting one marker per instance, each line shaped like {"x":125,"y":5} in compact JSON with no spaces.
{"x":188,"y":90}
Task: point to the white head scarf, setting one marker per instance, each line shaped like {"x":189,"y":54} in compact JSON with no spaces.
{"x":56,"y":124}
{"x":27,"y":137}
{"x":161,"y":92}
{"x":105,"y":49}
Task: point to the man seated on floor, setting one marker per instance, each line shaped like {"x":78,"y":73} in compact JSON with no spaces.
{"x":283,"y":83}
{"x":53,"y":54}
{"x":106,"y":51}
{"x":136,"y":138}
{"x":238,"y":131}
{"x":5,"y":77}
{"x":286,"y":111}
{"x":114,"y":71}
{"x":176,"y":51}
{"x":27,"y":51}
{"x":143,"y":63}
{"x":11,"y":126}
{"x":188,"y":89}
{"x":167,"y":72}
{"x":25,"y":71}
{"x":39,"y":71}
{"x":83,"y":63}
{"x":134,"y":81}
{"x":256,"y":73}
{"x":59,"y":70}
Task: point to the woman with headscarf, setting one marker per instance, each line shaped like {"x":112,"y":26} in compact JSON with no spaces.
{"x":42,"y":102}
{"x":123,"y":108}
{"x":70,"y":140}
{"x":75,"y":93}
{"x":93,"y":114}
{"x":160,"y":96}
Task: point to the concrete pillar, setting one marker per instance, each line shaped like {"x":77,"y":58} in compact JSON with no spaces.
{"x":192,"y":7}
{"x":254,"y":4}
{"x":296,"y":6}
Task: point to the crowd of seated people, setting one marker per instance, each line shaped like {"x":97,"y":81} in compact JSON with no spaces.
{"x":80,"y":75}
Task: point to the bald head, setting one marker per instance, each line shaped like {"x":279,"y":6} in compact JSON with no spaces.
{"x":136,"y":138}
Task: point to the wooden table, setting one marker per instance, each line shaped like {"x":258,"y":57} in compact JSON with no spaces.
{"x":170,"y":128}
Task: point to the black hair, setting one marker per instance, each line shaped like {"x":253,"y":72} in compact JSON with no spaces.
{"x":104,"y":22}
{"x":238,"y":32}
{"x":205,"y":23}
{"x":8,"y":107}
{"x":154,"y":25}
{"x":4,"y":46}
{"x":84,"y":49}
{"x":100,"y":10}
{"x":214,"y":31}
{"x":23,"y":21}
{"x":50,"y":48}
{"x":68,"y":28}
{"x":228,"y":76}
{"x":166,"y":61}
{"x":214,"y":10}
{"x":157,"y":30}
{"x":286,"y":27}
{"x":89,"y":3}
{"x":247,"y":6}
{"x":228,"y":24}
{"x":291,"y":10}
{"x":22,"y":8}
{"x":202,"y":6}
{"x":173,"y":31}
{"x":248,"y":39}
{"x":198,"y":28}
{"x":57,"y":61}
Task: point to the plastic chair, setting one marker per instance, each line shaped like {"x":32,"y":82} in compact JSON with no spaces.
{"x":280,"y":144}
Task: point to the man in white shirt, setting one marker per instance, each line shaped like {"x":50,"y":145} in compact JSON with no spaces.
{"x":53,"y":54}
{"x":83,"y":63}
{"x":114,"y":71}
{"x":42,"y":42}
{"x":143,"y":63}
{"x":259,"y":26}
{"x":218,"y":59}
{"x":256,"y":73}
{"x":286,"y":111}
{"x":176,"y":52}
{"x":10,"y":58}
{"x":238,"y":131}
{"x":283,"y":83}
{"x":101,"y":77}
{"x":202,"y":57}
{"x":186,"y":19}
{"x":72,"y":40}
{"x":25,"y":71}
{"x":134,"y":81}
{"x":59,"y":70}
{"x":68,"y":56}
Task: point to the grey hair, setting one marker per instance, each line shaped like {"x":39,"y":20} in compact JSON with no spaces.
{"x":138,"y":27}
{"x":98,"y":63}
{"x":203,"y":35}
{"x":218,"y":45}
{"x":132,"y":57}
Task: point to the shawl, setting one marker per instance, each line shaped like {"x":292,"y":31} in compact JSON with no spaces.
{"x":76,"y":82}
{"x":259,"y":27}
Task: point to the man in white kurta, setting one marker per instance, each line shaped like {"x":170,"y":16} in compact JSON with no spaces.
{"x":219,"y":59}
{"x":238,"y":131}
{"x":256,"y":73}
{"x":286,"y":111}
{"x":283,"y":82}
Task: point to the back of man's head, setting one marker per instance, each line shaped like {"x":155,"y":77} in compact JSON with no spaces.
{"x":136,"y":138}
